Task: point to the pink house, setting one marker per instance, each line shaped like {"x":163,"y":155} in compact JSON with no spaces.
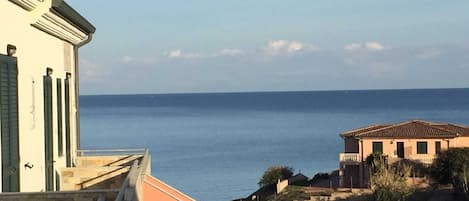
{"x":414,"y":140}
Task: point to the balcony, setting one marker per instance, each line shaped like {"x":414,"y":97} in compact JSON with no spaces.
{"x":349,"y":158}
{"x":104,"y":175}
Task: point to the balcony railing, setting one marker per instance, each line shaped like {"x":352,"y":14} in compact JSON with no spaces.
{"x":131,"y":189}
{"x":110,"y":152}
{"x":423,"y":158}
{"x":349,"y":157}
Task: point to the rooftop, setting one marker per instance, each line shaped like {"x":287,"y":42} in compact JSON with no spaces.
{"x":410,"y":129}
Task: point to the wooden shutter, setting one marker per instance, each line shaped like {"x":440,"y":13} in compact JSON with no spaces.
{"x":49,"y":150}
{"x":377,"y":147}
{"x":9,"y":123}
{"x":68,"y":143}
{"x":59,"y":117}
{"x":422,"y":147}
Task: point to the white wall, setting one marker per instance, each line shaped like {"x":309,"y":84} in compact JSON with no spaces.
{"x":36,"y":50}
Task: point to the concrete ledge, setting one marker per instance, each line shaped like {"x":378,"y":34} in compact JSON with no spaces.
{"x":92,"y":178}
{"x":86,"y":195}
{"x":101,"y":161}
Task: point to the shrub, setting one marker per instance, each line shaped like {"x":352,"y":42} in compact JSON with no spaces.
{"x":452,"y":166}
{"x":274,"y":173}
{"x":375,"y":161}
{"x":388,"y":182}
{"x":319,"y":176}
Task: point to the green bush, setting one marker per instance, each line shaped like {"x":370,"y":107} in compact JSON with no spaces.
{"x":274,"y":173}
{"x":452,"y":167}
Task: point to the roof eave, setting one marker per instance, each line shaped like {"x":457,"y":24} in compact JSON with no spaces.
{"x":61,"y":8}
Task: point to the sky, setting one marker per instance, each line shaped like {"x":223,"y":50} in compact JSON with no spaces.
{"x":193,"y":46}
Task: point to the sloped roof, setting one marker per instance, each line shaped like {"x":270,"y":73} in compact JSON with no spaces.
{"x":410,"y":129}
{"x":61,"y":8}
{"x":155,"y":189}
{"x":354,"y":132}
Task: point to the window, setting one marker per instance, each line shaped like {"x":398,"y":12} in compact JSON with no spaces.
{"x":377,"y":147}
{"x":437,"y":147}
{"x":422,"y":148}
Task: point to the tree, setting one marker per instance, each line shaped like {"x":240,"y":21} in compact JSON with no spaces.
{"x":452,"y":166}
{"x":274,"y":173}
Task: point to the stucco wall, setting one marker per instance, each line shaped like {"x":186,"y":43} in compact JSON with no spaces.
{"x":36,"y":50}
{"x":460,"y":142}
{"x":410,"y":146}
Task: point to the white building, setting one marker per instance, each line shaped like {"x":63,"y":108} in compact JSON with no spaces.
{"x":39,"y":91}
{"x":39,"y":115}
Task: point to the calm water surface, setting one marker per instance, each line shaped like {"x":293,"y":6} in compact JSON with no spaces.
{"x":214,"y":147}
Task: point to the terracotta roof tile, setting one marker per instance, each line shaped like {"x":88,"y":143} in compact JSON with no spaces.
{"x":362,"y":130}
{"x":410,"y":129}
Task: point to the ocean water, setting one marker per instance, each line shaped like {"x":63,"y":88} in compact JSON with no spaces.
{"x":214,"y":147}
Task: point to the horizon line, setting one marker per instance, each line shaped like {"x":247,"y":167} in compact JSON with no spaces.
{"x":270,"y":91}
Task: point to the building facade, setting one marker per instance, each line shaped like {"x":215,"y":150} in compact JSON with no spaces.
{"x":39,"y":42}
{"x":415,"y":140}
{"x":39,"y":115}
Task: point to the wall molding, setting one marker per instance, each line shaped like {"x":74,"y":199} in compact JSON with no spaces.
{"x":56,"y":26}
{"x":28,"y":5}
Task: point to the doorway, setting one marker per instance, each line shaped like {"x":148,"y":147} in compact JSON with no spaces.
{"x":400,"y":150}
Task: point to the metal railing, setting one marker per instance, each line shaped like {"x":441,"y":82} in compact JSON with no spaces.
{"x":131,"y":189}
{"x":109,"y":152}
{"x":349,"y":157}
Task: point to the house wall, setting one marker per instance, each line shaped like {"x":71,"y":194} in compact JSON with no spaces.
{"x":37,"y":50}
{"x":460,"y":142}
{"x":410,"y":146}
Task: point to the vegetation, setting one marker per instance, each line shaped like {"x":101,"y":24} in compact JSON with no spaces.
{"x":291,"y":193}
{"x":389,"y":183}
{"x":275,"y":173}
{"x":320,"y":176}
{"x":452,"y":167}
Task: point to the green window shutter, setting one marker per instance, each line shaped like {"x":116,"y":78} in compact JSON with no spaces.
{"x":377,"y":147}
{"x":48,"y":130}
{"x":422,"y":148}
{"x":68,"y":143}
{"x":9,"y":123}
{"x":59,"y":117}
{"x":437,"y":147}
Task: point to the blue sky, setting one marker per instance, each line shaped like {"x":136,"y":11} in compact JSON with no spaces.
{"x":179,"y":46}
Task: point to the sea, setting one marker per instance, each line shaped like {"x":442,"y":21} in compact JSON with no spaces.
{"x":215,"y":146}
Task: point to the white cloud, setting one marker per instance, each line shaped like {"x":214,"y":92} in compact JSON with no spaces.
{"x":178,"y":54}
{"x":353,"y":46}
{"x":295,"y":46}
{"x":90,"y":70}
{"x":276,"y":47}
{"x":127,"y":59}
{"x":231,"y":52}
{"x":174,"y":54}
{"x":370,"y":46}
{"x":373,"y":46}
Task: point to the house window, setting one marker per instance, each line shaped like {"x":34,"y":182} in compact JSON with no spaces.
{"x":437,"y":147}
{"x":422,"y":148}
{"x":377,"y":147}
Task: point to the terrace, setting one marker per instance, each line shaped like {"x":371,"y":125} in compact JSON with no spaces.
{"x":101,"y":175}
